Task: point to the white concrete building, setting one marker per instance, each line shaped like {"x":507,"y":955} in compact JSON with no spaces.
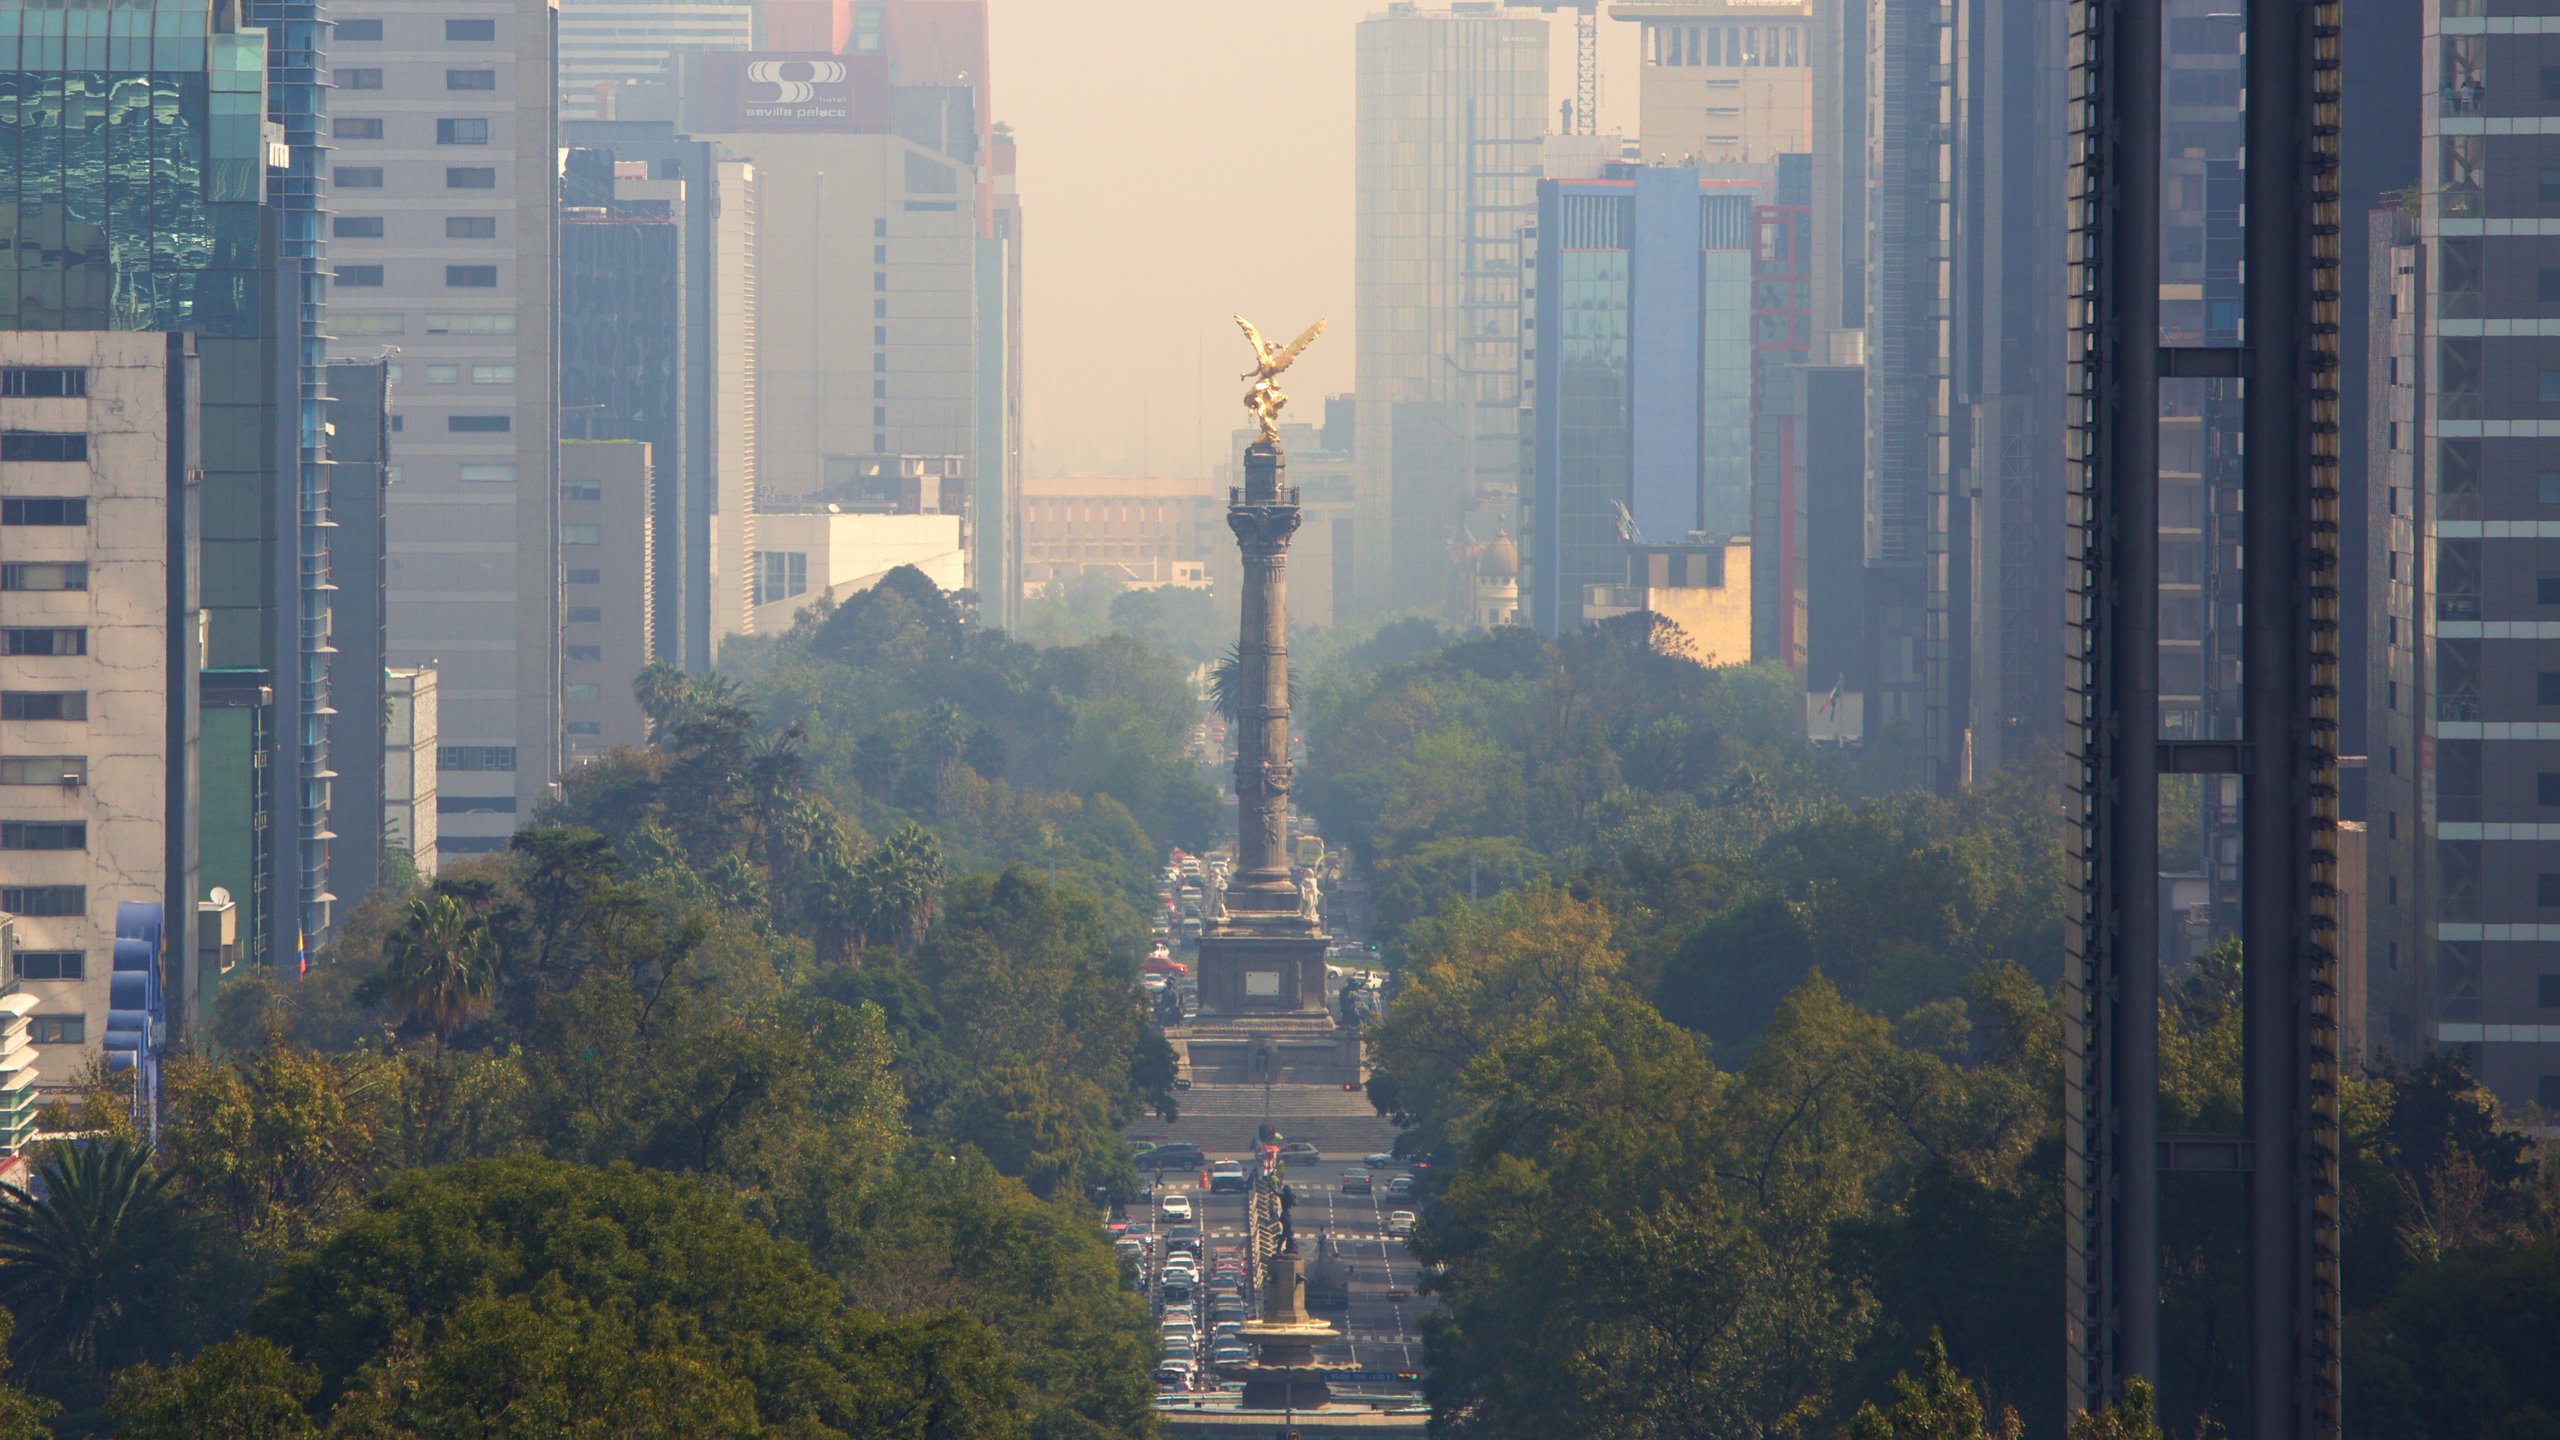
{"x":606,"y":42}
{"x":409,"y":755}
{"x":100,"y":649}
{"x":804,"y":555}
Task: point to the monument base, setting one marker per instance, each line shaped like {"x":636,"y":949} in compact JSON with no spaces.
{"x":1280,"y":1050}
{"x":1249,"y":970}
{"x":1284,"y":1390}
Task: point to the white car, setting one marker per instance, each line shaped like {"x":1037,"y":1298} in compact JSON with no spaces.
{"x":1176,"y":1207}
{"x":1400,"y":1224}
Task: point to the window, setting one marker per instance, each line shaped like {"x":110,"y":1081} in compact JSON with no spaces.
{"x":470,"y":177}
{"x":478,"y":424}
{"x":497,"y":758}
{"x":2550,"y":186}
{"x":357,"y":177}
{"x":471,"y":227}
{"x":583,"y":729}
{"x":444,"y":374}
{"x":2551,"y":82}
{"x":365,"y":78}
{"x":2550,"y":388}
{"x":583,"y":692}
{"x":2546,"y":286}
{"x":2546,"y":688}
{"x":52,"y":965}
{"x":43,"y":445}
{"x":368,"y":324}
{"x":582,"y":490}
{"x":585,"y":652}
{"x":2547,"y":991}
{"x":2547,"y":1093}
{"x":475,"y":805}
{"x":359,"y":30}
{"x":360,"y":277}
{"x":471,"y":79}
{"x":44,"y":705}
{"x":33,"y":575}
{"x":471,"y":277}
{"x":356,"y":227}
{"x":780,"y":574}
{"x":2546,"y":788}
{"x":45,"y":900}
{"x":493,"y":374}
{"x":492,"y":324}
{"x":586,"y":577}
{"x":581,"y":535}
{"x":489,"y":474}
{"x":462,"y":132}
{"x":58,"y":1029}
{"x":35,"y":382}
{"x":356,"y":127}
{"x":471,"y":29}
{"x":2546,"y":890}
{"x":586,"y":615}
{"x":42,"y":641}
{"x":44,"y":835}
{"x":43,"y":769}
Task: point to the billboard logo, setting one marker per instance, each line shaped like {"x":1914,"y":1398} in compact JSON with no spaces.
{"x":791,"y":90}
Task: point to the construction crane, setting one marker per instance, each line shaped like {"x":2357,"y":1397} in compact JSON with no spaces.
{"x":1586,"y":58}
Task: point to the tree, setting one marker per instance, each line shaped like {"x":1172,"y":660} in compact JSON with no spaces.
{"x":92,"y":1258}
{"x":443,"y":967}
{"x":22,"y":1416}
{"x":244,"y":1388}
{"x":1940,"y":1405}
{"x":2129,"y":1418}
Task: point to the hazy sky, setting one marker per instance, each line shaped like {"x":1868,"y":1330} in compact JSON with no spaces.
{"x":1183,"y":160}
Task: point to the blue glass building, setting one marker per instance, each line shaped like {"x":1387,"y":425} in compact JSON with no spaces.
{"x":1641,"y":376}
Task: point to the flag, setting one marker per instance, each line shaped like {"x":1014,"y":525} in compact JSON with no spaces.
{"x":1832,"y":701}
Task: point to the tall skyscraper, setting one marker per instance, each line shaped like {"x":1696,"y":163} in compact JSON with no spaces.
{"x":445,"y":247}
{"x":1452,"y":111}
{"x":1642,"y":378}
{"x":604,"y":43}
{"x":2466,"y":771}
{"x":1725,"y":81}
{"x":103,"y":541}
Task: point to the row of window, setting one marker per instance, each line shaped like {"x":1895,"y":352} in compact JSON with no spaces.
{"x":489,"y":323}
{"x":44,"y":835}
{"x":467,"y":130}
{"x":44,"y":576}
{"x":455,"y":31}
{"x":44,"y":704}
{"x":45,"y":510}
{"x":43,"y":445}
{"x":369,"y":77}
{"x":45,"y":901}
{"x":456,"y":177}
{"x":40,"y":640}
{"x":43,"y":382}
{"x":43,"y":769}
{"x":456,"y":277}
{"x":456,"y":227}
{"x":476,"y":757}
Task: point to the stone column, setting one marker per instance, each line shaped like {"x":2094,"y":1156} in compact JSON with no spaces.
{"x":1264,"y":517}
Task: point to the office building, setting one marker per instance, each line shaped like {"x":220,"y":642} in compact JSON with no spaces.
{"x":1724,"y":83}
{"x":2399,"y":700}
{"x":20,"y":1067}
{"x":607,"y":43}
{"x":2473,"y":804}
{"x":1142,"y":532}
{"x":359,"y":509}
{"x":606,"y":589}
{"x":1641,"y":380}
{"x":1781,"y":341}
{"x":1703,"y":587}
{"x":444,"y":246}
{"x":297,"y":103}
{"x":410,"y":755}
{"x":1452,"y":111}
{"x":99,"y":616}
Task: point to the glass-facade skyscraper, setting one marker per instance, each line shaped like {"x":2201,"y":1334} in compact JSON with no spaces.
{"x":1641,"y":381}
{"x":1452,"y":115}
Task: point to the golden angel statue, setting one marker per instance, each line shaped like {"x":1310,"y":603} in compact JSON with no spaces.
{"x":1266,"y":399}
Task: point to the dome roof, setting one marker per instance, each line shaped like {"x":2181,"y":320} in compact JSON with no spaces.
{"x":1501,"y":559}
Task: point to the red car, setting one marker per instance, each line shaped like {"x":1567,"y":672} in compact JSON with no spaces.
{"x":1160,"y":965}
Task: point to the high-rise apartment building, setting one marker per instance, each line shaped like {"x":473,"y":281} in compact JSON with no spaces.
{"x":359,"y":514}
{"x":1452,"y":110}
{"x":607,"y":43}
{"x":1641,"y":385}
{"x":444,"y":245}
{"x":606,"y":594}
{"x":2472,"y":802}
{"x":1724,"y":83}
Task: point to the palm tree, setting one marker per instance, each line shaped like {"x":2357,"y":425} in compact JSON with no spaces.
{"x":895,"y":886}
{"x":88,"y":1251}
{"x":443,"y":966}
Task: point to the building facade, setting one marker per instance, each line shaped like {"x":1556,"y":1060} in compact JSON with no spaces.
{"x":1724,"y":83}
{"x":444,"y":245}
{"x":359,"y":511}
{"x":1143,"y":532}
{"x":607,"y":43}
{"x":606,"y":623}
{"x":1641,"y":384}
{"x":1452,"y":111}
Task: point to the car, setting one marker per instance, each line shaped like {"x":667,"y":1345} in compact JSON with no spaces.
{"x":1227,"y":1357}
{"x":1179,"y":1312}
{"x":1301,"y":1151}
{"x":1183,"y":1239}
{"x":1175,"y":1155}
{"x":1400,"y":1224}
{"x":1174,"y":1207}
{"x":1174,"y":1286}
{"x":1379,"y":1161}
{"x":1400,"y":1188}
{"x":1356,"y":1182}
{"x":1173,"y":1375}
{"x":1227,"y":1177}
